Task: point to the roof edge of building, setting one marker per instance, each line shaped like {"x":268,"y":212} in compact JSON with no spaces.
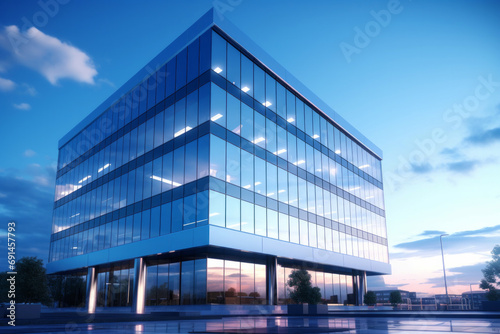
{"x":207,"y":21}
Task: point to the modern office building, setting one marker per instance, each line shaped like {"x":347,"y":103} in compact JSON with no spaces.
{"x":208,"y":177}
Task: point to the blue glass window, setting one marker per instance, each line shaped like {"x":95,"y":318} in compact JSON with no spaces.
{"x":233,"y":65}
{"x":246,"y":75}
{"x":193,"y":60}
{"x":272,"y":224}
{"x":189,"y":220}
{"x":247,"y":217}
{"x":151,"y":88}
{"x":205,"y":42}
{"x":260,"y":220}
{"x":203,"y":156}
{"x":170,"y":81}
{"x":233,"y":114}
{"x":166,"y":218}
{"x":202,"y":208}
{"x":219,"y":54}
{"x":217,"y":157}
{"x":218,"y":105}
{"x":155,"y":221}
{"x":233,"y":213}
{"x":191,"y":161}
{"x":177,"y":215}
{"x":181,"y":72}
{"x":217,"y":209}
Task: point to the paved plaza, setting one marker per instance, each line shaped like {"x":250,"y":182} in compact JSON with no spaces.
{"x":275,"y":324}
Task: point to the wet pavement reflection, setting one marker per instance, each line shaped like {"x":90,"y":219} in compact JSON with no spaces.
{"x":276,"y":325}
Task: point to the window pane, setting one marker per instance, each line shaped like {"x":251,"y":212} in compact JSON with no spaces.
{"x":247,"y":181}
{"x":193,"y":59}
{"x":233,"y":114}
{"x":218,"y":105}
{"x":247,"y":283}
{"x":260,"y":176}
{"x":260,"y":220}
{"x":294,"y":230}
{"x":233,"y":65}
{"x":272,"y":224}
{"x":283,"y":227}
{"x":178,"y":176}
{"x":247,"y":217}
{"x":217,"y":157}
{"x":217,"y":211}
{"x":200,"y":281}
{"x":187,"y":282}
{"x":203,"y":156}
{"x":170,"y":82}
{"x":233,"y":164}
{"x":205,"y":43}
{"x":174,"y":283}
{"x":189,"y":212}
{"x":155,"y":221}
{"x":192,"y":111}
{"x":180,"y":118}
{"x":219,"y":54}
{"x":232,"y":282}
{"x":191,"y":159}
{"x":177,"y":215}
{"x":168,"y":128}
{"x":260,"y":130}
{"x":272,"y":181}
{"x":202,"y":208}
{"x":215,"y":281}
{"x":146,"y":219}
{"x":162,"y":293}
{"x":165,"y":218}
{"x":247,"y":122}
{"x":259,"y":84}
{"x":180,"y":79}
{"x":270,"y":93}
{"x":246,"y":75}
{"x":233,"y":213}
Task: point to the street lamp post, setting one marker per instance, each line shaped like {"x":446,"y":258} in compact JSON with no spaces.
{"x":444,"y":270}
{"x":471,"y":301}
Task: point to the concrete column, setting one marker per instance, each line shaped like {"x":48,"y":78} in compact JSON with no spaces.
{"x":139,"y":286}
{"x":272,"y":286}
{"x":360,"y":288}
{"x":91,"y":296}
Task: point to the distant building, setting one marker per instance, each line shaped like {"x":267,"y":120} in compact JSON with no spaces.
{"x":453,"y":302}
{"x":383,"y":296}
{"x":475,"y":302}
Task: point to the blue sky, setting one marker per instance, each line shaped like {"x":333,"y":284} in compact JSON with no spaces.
{"x":421,"y":79}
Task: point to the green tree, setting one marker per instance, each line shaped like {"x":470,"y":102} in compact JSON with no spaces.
{"x":492,"y":275}
{"x":370,"y":298}
{"x":300,"y":287}
{"x":31,"y":282}
{"x":395,"y":298}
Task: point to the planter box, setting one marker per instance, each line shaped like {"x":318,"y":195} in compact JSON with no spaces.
{"x":491,"y":306}
{"x":305,"y":309}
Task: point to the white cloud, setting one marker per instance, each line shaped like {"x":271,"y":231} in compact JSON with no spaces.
{"x":22,"y":106}
{"x":29,"y":153}
{"x":30,"y":90}
{"x":48,"y":55}
{"x":6,"y":85}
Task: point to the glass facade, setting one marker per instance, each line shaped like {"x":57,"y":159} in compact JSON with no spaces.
{"x":215,"y":139}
